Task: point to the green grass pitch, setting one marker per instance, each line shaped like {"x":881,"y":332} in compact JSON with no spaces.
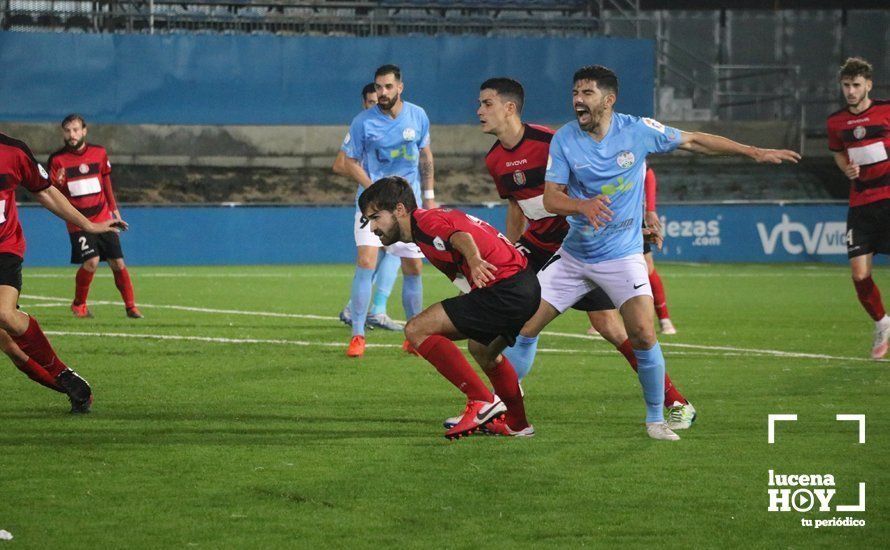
{"x":230,"y":417}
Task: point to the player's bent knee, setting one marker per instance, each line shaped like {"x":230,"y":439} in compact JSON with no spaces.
{"x":415,"y":333}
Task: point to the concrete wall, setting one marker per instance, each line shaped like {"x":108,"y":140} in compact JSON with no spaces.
{"x":455,"y":146}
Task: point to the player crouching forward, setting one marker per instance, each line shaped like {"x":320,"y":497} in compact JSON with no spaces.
{"x":499,"y":295}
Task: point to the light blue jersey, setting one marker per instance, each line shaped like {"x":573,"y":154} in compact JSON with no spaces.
{"x":389,"y":146}
{"x":615,"y":167}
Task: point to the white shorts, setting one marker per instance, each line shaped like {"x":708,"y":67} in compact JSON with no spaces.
{"x":364,"y":237}
{"x":565,"y":280}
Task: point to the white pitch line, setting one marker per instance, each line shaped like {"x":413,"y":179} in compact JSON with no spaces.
{"x":730,"y":349}
{"x":189,"y":275}
{"x":200,"y":309}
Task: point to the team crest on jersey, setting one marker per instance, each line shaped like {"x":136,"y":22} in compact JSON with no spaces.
{"x":42,"y":171}
{"x":439,"y":244}
{"x":83,"y":169}
{"x":859,"y":132}
{"x":626,"y":159}
{"x":519,"y":177}
{"x":408,"y":134}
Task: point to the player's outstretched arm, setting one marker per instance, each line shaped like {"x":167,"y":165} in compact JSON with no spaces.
{"x":710,"y":144}
{"x":595,"y":210}
{"x":54,"y":201}
{"x":481,"y":271}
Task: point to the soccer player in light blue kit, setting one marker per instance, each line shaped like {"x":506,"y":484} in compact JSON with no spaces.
{"x":389,"y":139}
{"x":387,"y":265}
{"x":595,"y":176}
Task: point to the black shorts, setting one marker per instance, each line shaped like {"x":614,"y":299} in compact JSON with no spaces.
{"x":107,"y":246}
{"x":868,"y":229}
{"x":11,"y":270}
{"x":498,"y":310}
{"x":595,"y":300}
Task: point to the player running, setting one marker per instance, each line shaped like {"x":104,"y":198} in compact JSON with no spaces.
{"x":650,"y":219}
{"x":82,"y":172}
{"x":499,"y":295}
{"x":389,"y":139}
{"x":595,"y":177}
{"x":23,"y":340}
{"x":517,"y":162}
{"x":387,"y":265}
{"x":859,"y":136}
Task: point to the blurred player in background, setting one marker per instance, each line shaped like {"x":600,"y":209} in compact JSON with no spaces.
{"x":650,"y":219}
{"x":82,"y":172}
{"x":390,"y":139}
{"x":387,"y":265}
{"x":859,"y":136}
{"x":500,"y":293}
{"x":22,"y":338}
{"x":517,"y":162}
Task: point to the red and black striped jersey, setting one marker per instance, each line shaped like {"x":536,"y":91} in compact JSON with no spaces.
{"x":866,"y":138}
{"x":518,"y":174}
{"x":651,"y":187}
{"x":432,"y":231}
{"x":17,"y":167}
{"x":84,"y":177}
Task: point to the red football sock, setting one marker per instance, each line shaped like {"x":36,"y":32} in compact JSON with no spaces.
{"x":658,"y":295}
{"x":37,"y":373}
{"x":82,"y":285}
{"x":506,"y":385}
{"x":671,"y":393}
{"x":452,"y":364}
{"x":123,"y":284}
{"x":870,"y":298}
{"x":34,"y":343}
{"x":627,"y":351}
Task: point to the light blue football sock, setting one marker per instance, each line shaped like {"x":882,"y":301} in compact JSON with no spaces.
{"x":650,"y":371}
{"x":522,"y":354}
{"x":412,"y":295}
{"x":361,"y":295}
{"x":384,"y":279}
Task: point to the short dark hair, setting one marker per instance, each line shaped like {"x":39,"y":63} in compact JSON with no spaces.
{"x":386,"y":193}
{"x":368,"y":89}
{"x":509,"y":89}
{"x":853,"y":67}
{"x":604,"y":77}
{"x":388,"y":69}
{"x":71,"y":118}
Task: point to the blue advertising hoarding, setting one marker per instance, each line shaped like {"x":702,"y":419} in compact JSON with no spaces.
{"x":221,"y":235}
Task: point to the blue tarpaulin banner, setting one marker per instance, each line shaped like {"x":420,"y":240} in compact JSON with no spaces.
{"x":219,"y":235}
{"x":232,"y":79}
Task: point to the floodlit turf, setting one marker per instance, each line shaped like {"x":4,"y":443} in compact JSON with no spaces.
{"x":207,"y":443}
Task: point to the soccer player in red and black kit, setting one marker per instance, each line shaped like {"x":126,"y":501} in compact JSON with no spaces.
{"x":859,"y":136}
{"x":500,"y":293}
{"x":517,"y":163}
{"x":24,"y":341}
{"x":82,"y":172}
{"x":650,"y":218}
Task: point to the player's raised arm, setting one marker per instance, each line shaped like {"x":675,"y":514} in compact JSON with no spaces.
{"x":710,"y":144}
{"x":595,"y":210}
{"x":481,"y":271}
{"x":54,"y":201}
